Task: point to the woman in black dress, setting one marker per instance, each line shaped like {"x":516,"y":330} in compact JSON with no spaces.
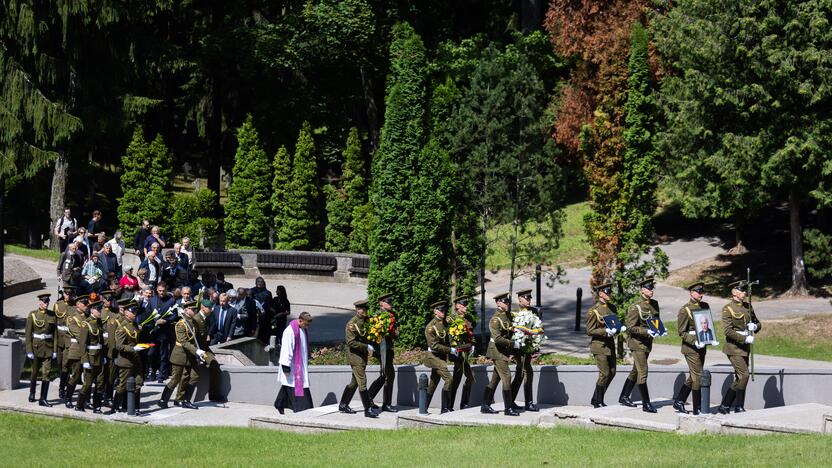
{"x":280,"y":310}
{"x":263,"y":302}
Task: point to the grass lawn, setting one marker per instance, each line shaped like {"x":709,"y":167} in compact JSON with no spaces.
{"x":571,"y":252}
{"x":807,"y":337}
{"x":43,"y":254}
{"x":39,"y":441}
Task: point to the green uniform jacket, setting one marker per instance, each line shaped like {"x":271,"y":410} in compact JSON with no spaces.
{"x":600,"y":343}
{"x":201,"y":330}
{"x":63,"y":311}
{"x":735,"y":318}
{"x":437,"y":338}
{"x":684,"y":322}
{"x":637,"y":316}
{"x":356,"y":341}
{"x":40,"y":322}
{"x":111,"y":324}
{"x":127,"y":336}
{"x":74,"y":324}
{"x":91,"y":336}
{"x":184,"y":352}
{"x":501,"y":346}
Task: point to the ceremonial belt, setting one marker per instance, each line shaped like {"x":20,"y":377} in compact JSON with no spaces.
{"x":97,"y":346}
{"x":438,"y":353}
{"x":63,"y":328}
{"x":73,"y":340}
{"x":41,"y":336}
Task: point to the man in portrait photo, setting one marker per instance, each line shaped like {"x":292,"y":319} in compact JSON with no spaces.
{"x":705,"y":334}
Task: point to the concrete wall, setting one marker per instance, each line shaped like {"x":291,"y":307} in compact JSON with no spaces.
{"x":556,"y":385}
{"x":12,"y":354}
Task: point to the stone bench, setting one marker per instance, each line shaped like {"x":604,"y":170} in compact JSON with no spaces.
{"x":360,"y":265}
{"x":203,"y":260}
{"x":302,"y":261}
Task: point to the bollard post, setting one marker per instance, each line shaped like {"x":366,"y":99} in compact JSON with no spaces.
{"x":537,"y":284}
{"x":705,"y":390}
{"x":578,"y":295}
{"x":423,"y":394}
{"x":131,"y":402}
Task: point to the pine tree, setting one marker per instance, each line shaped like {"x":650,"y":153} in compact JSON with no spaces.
{"x":247,"y":217}
{"x":145,"y":181}
{"x":300,"y":226}
{"x":343,"y":199}
{"x":282,"y":168}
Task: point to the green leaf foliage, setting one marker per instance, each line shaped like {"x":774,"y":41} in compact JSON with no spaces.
{"x":192,"y":215}
{"x":300,"y":226}
{"x":146,"y":182}
{"x":282,"y":170}
{"x":345,"y":197}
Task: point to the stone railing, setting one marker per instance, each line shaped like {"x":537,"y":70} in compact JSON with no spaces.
{"x":291,"y":264}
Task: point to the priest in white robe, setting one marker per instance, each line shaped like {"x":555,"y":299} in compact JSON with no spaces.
{"x":294,"y":366}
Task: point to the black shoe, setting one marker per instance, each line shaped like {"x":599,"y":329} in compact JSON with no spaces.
{"x":739,"y":409}
{"x":32,"y":387}
{"x":626,"y":401}
{"x":740,"y":402}
{"x":62,"y":385}
{"x":486,"y":408}
{"x":530,"y":406}
{"x":79,"y":406}
{"x":117,"y":400}
{"x":624,"y":398}
{"x":44,"y":394}
{"x":724,"y":409}
{"x":466,"y":396}
{"x":68,"y":396}
{"x":186,"y":401}
{"x":188,"y":405}
{"x":345,"y":408}
{"x":446,"y":396}
{"x":346,"y":398}
{"x":727,"y":401}
{"x":163,"y":402}
{"x":369,"y":412}
{"x":388,"y":408}
{"x":509,"y":405}
{"x":160,"y":379}
{"x":96,"y":403}
{"x":137,"y":399}
{"x":679,"y":406}
{"x":646,"y":406}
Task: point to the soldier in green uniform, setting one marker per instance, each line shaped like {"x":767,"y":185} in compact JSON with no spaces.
{"x":602,"y":341}
{"x":75,"y":352}
{"x":203,"y":339}
{"x":740,"y":323}
{"x":359,"y":349}
{"x":183,"y":358}
{"x":436,"y":357}
{"x":41,"y":347}
{"x":524,"y":373}
{"x":91,"y":341}
{"x":692,"y":349}
{"x":128,"y":360}
{"x":63,"y":309}
{"x":500,"y":350}
{"x":640,"y":342}
{"x":113,"y":323}
{"x":388,"y":371}
{"x":461,"y":365}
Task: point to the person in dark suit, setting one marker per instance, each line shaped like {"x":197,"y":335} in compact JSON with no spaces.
{"x":146,"y":322}
{"x":173,"y":273}
{"x":222,"y":285}
{"x":140,"y":238}
{"x":162,"y":331}
{"x":705,"y":334}
{"x":225,"y":321}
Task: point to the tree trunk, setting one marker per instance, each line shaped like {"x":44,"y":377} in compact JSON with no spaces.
{"x":800,"y":284}
{"x":482,"y":280}
{"x":213,"y":123}
{"x":739,"y":248}
{"x":57,"y":198}
{"x":370,"y":106}
{"x":3,"y":253}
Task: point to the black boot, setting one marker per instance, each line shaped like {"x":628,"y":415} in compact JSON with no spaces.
{"x":624,"y":398}
{"x":96,"y":402}
{"x":697,"y":402}
{"x":346,"y":398}
{"x":137,"y":399}
{"x":365,"y":400}
{"x":727,"y":400}
{"x":646,"y":406}
{"x":446,"y":397}
{"x":601,"y":395}
{"x":163,"y":402}
{"x":466,"y":396}
{"x":82,"y":400}
{"x":62,"y":385}
{"x":486,"y":401}
{"x":387,"y":404}
{"x":44,"y":394}
{"x":739,"y":403}
{"x":509,"y":405}
{"x":117,"y":400}
{"x":186,"y":402}
{"x":32,"y":386}
{"x":681,"y":398}
{"x":70,"y":389}
{"x":429,"y":399}
{"x":529,"y":406}
{"x":596,"y":397}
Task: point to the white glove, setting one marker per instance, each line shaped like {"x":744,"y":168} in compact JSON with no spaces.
{"x":699,"y":345}
{"x":651,"y":333}
{"x":86,"y":365}
{"x":716,"y":343}
{"x":138,"y":348}
{"x":749,"y":339}
{"x":623,"y":329}
{"x":30,"y":356}
{"x":54,"y":355}
{"x":743,"y":333}
{"x":692,"y":332}
{"x":200,"y":353}
{"x":106,"y":335}
{"x":371,"y":348}
{"x":516,"y":345}
{"x":752,"y":326}
{"x":610,"y":331}
{"x":105,"y":361}
{"x":454,"y":351}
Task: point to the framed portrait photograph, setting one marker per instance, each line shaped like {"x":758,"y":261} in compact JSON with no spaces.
{"x":704,"y":322}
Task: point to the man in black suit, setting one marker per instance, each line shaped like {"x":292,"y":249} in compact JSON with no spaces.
{"x":705,"y":335}
{"x":162,"y":332}
{"x":225,"y":321}
{"x":173,"y":273}
{"x":140,"y":238}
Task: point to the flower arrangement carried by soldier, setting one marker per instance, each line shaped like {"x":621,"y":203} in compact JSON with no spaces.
{"x":379,"y":325}
{"x":461,"y":334}
{"x":528,"y":331}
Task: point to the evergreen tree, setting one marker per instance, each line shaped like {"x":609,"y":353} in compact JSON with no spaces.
{"x":192,"y":215}
{"x":343,"y":199}
{"x":145,"y":181}
{"x":282,"y":168}
{"x":300,"y":228}
{"x":247,"y":217}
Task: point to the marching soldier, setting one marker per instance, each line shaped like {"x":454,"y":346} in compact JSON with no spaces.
{"x":114,"y":323}
{"x":200,"y":321}
{"x":75,"y":352}
{"x":461,"y":365}
{"x":41,"y":347}
{"x":183,"y":358}
{"x":63,"y":309}
{"x":692,"y":349}
{"x":436,"y":357}
{"x":524,"y":373}
{"x":128,"y":360}
{"x":640,"y":342}
{"x":740,"y":324}
{"x":602,"y":341}
{"x":500,"y":349}
{"x":359,"y":349}
{"x":91,"y":341}
{"x":388,"y":372}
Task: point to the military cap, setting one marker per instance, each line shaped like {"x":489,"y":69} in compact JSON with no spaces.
{"x":189,"y":304}
{"x":648,"y":282}
{"x":362,"y":303}
{"x":464,"y":300}
{"x":134,"y":309}
{"x":69,"y":288}
{"x":440,"y":305}
{"x":125,"y":301}
{"x":108,"y":292}
{"x":741,"y":285}
{"x":208,"y":303}
{"x":95,"y":305}
{"x":503,"y":297}
{"x":85,"y":299}
{"x":44,"y":297}
{"x":696,"y":285}
{"x":524,"y":292}
{"x":387,"y":297}
{"x":602,"y":287}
